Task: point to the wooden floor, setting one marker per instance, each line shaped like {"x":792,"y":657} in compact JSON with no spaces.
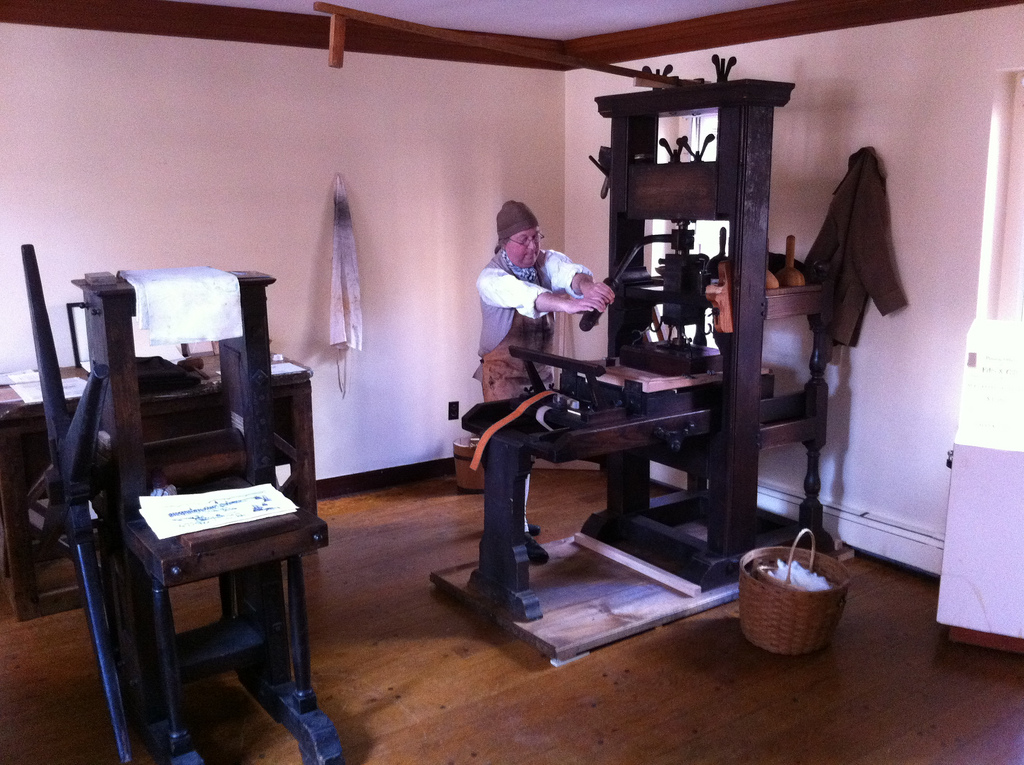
{"x":408,"y":675}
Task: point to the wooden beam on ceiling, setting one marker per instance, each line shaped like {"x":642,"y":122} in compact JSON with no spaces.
{"x":361,"y":37}
{"x":770,"y":22}
{"x":157,"y":17}
{"x":216,"y":22}
{"x":341,"y":15}
{"x":199,"y":20}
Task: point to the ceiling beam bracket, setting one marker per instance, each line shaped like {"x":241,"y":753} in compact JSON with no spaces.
{"x":336,"y":47}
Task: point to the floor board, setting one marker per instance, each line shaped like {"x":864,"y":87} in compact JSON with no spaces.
{"x":410,"y":675}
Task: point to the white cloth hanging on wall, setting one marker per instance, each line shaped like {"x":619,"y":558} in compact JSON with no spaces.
{"x":346,"y":309}
{"x":193,"y":304}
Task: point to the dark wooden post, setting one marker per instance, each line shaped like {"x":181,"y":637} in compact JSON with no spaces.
{"x":816,"y":391}
{"x":504,"y":570}
{"x":744,"y":161}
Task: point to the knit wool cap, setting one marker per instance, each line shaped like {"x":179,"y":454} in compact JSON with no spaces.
{"x":514,"y":217}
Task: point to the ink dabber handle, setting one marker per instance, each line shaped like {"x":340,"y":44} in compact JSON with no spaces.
{"x":591,"y":317}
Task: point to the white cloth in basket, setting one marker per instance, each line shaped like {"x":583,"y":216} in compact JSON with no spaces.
{"x":800,"y":577}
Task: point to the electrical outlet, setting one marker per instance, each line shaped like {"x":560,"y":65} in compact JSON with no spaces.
{"x":453,"y":410}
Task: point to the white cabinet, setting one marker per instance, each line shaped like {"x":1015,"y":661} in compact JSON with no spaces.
{"x":982,"y":586}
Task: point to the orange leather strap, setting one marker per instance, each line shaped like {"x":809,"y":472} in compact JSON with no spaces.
{"x":516,"y":414}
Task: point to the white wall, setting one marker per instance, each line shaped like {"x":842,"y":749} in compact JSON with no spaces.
{"x":126,"y":151}
{"x":920,"y":92}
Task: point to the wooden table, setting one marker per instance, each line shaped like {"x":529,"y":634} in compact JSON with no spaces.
{"x":38,"y":586}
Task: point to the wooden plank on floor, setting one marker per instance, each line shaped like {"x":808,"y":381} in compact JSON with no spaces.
{"x":587,"y":600}
{"x":677,"y":583}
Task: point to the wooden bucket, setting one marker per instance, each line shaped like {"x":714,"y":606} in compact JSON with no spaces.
{"x":468,"y":481}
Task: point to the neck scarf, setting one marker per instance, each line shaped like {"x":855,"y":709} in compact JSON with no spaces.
{"x":523,"y":274}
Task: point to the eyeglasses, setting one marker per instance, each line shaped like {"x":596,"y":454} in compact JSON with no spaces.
{"x":526,"y":242}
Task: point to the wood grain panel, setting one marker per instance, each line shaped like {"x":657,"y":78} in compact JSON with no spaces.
{"x":673,"y":191}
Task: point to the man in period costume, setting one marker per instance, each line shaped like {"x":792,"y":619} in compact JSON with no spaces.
{"x":520,"y":289}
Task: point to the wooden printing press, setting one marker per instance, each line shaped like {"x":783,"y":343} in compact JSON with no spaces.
{"x":125,"y":571}
{"x":707,"y":411}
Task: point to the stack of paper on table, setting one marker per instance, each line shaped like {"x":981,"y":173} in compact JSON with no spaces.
{"x":28,"y":387}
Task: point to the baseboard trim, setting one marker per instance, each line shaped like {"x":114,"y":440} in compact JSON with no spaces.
{"x":986,"y":639}
{"x":339,"y":486}
{"x":874,"y":534}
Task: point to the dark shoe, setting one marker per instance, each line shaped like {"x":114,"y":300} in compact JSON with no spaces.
{"x":535,"y":552}
{"x":533,"y":528}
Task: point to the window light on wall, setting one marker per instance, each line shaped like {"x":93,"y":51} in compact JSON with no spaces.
{"x":1001,"y":279}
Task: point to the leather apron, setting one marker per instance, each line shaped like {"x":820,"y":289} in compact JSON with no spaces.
{"x":505,"y":377}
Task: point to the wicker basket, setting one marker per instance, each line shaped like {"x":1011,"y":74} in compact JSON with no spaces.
{"x":784,"y":619}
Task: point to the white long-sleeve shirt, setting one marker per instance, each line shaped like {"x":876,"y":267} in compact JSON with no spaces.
{"x":502,"y":294}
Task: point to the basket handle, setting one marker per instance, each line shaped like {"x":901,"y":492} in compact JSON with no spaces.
{"x":792,"y":552}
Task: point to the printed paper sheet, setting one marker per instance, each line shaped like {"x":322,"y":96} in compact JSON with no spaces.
{"x":170,"y":516}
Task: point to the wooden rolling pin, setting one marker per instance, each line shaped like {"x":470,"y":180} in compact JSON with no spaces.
{"x":790,"y":276}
